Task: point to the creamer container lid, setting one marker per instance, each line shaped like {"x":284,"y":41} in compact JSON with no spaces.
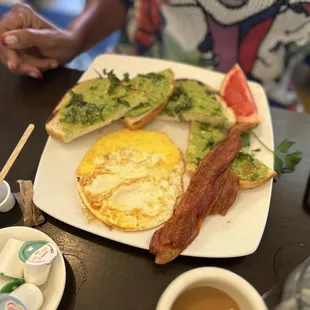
{"x":38,"y":253}
{"x":11,"y":286}
{"x":11,"y":303}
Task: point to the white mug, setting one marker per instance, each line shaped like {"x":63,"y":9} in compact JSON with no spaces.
{"x":7,"y":200}
{"x":241,"y":291}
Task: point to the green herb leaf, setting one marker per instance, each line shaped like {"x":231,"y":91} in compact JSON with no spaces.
{"x":212,"y":92}
{"x":278,"y":165}
{"x":99,"y":74}
{"x":80,"y":111}
{"x":178,"y":92}
{"x":93,"y":87}
{"x":198,"y":160}
{"x":154,"y":76}
{"x":210,"y":145}
{"x":76,"y":99}
{"x":182,"y":101}
{"x":123,"y":102}
{"x":284,"y":162}
{"x":291,"y":160}
{"x":257,"y":150}
{"x":284,"y":146}
{"x":246,"y":139}
{"x":126,"y":77}
{"x":255,"y":176}
{"x":180,"y":116}
{"x":114,"y":80}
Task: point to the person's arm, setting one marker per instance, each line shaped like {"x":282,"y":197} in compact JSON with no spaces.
{"x":99,"y":19}
{"x":27,"y":30}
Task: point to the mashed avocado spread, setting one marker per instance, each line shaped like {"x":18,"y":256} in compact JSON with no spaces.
{"x":158,"y":88}
{"x":247,"y":167}
{"x":96,"y":101}
{"x":205,"y":137}
{"x":191,"y":97}
{"x":203,"y":140}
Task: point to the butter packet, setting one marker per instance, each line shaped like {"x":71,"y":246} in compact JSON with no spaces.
{"x":32,"y":216}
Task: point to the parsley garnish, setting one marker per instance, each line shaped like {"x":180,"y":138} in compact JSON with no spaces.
{"x":99,"y":74}
{"x":114,"y":80}
{"x":182,"y":101}
{"x":154,"y":76}
{"x":126,"y":77}
{"x":93,"y":87}
{"x":178,"y":92}
{"x":80,"y":111}
{"x":257,"y":150}
{"x":284,"y":161}
{"x":255,"y":176}
{"x":246,"y":139}
{"x":211,"y":92}
{"x":123,"y":102}
{"x":198,"y":160}
{"x":210,"y":145}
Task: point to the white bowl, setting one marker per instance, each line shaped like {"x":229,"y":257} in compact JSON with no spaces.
{"x":228,"y":282}
{"x":54,"y":287}
{"x":7,"y":200}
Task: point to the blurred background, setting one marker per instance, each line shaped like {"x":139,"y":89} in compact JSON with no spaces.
{"x":61,"y":12}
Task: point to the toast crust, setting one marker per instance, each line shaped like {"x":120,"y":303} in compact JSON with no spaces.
{"x":135,"y":123}
{"x":245,"y":184}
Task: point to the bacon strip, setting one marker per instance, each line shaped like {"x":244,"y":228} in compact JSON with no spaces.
{"x":228,"y":194}
{"x":199,"y":199}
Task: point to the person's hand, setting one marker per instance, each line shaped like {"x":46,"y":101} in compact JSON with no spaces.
{"x":31,"y":45}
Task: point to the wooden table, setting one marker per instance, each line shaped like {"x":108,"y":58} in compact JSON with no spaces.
{"x":102,"y":274}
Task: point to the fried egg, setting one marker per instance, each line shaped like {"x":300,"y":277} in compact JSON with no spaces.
{"x":131,"y":180}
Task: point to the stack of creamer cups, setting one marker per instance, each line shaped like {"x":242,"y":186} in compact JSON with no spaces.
{"x":24,"y":267}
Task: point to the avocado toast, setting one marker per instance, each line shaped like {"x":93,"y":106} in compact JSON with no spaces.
{"x":159,"y":88}
{"x":91,"y":105}
{"x":203,"y":138}
{"x":194,"y":101}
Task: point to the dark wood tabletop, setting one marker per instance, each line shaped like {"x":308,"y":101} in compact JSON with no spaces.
{"x":102,"y":274}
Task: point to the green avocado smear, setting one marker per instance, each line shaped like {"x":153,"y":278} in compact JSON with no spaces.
{"x":193,"y":98}
{"x":157,"y":86}
{"x":205,"y":137}
{"x":95,"y":101}
{"x":247,"y":167}
{"x":203,"y":140}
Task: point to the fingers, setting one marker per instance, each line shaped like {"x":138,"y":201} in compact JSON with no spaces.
{"x":20,"y":16}
{"x":12,"y":59}
{"x":23,"y":16}
{"x":43,"y":64}
{"x":16,"y":64}
{"x":26,"y":38}
{"x":29,"y":70}
{"x":9,"y":58}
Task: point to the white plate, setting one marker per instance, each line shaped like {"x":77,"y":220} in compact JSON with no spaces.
{"x":236,"y":234}
{"x":54,"y":287}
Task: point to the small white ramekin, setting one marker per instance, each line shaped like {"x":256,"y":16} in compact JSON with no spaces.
{"x":8,"y":201}
{"x":228,"y":282}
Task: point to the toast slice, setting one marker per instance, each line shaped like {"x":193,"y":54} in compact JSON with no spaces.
{"x":91,"y":105}
{"x":159,"y":88}
{"x":194,"y":101}
{"x":202,"y":139}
